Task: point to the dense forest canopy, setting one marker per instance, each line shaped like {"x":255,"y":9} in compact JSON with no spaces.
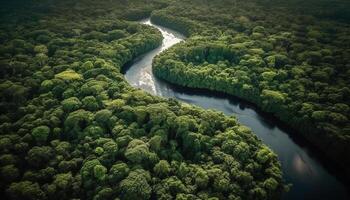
{"x":292,"y":62}
{"x":72,"y":128}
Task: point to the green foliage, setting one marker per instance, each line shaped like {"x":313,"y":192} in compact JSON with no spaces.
{"x":162,"y":168}
{"x":137,"y":151}
{"x":90,"y":103}
{"x":135,"y":186}
{"x":72,"y":128}
{"x":202,"y":178}
{"x":63,"y":181}
{"x":103,"y":116}
{"x":69,"y":75}
{"x":71,"y":104}
{"x":93,"y":131}
{"x":118,"y":172}
{"x":9,"y":173}
{"x":77,"y":120}
{"x":39,"y":156}
{"x":100,"y":172}
{"x":25,"y":190}
{"x":99,"y":150}
{"x":41,"y":133}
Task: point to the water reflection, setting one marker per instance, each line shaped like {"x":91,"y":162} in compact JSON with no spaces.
{"x":300,"y":166}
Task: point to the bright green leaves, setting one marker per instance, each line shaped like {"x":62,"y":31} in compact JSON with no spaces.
{"x":100,"y":172}
{"x":71,"y":104}
{"x":264,"y":155}
{"x":201,"y":178}
{"x":137,"y":151}
{"x":268,"y":76}
{"x":69,"y":75}
{"x":47,"y":85}
{"x":272,"y":100}
{"x":41,"y":49}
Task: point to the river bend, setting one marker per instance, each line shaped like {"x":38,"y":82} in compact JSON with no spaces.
{"x":303,"y":168}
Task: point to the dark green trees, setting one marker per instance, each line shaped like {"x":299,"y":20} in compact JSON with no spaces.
{"x":41,"y":133}
{"x":135,"y":185}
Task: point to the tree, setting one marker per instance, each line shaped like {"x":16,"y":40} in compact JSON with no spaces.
{"x":71,"y":104}
{"x":99,"y":151}
{"x":100,"y":172}
{"x":319,"y":116}
{"x":111,"y":148}
{"x":77,"y":121}
{"x":92,"y":172}
{"x":270,"y":184}
{"x":87,"y":65}
{"x":46,"y":85}
{"x":25,"y":190}
{"x":39,"y":156}
{"x":105,"y":193}
{"x":9,"y":173}
{"x":268,"y":76}
{"x":5,"y":144}
{"x":201,"y":178}
{"x":63,"y":148}
{"x":40,"y":49}
{"x":103,"y":116}
{"x":135,"y":186}
{"x":137,"y":151}
{"x":162,"y":168}
{"x":93,"y":131}
{"x":90,"y":103}
{"x":118,"y":172}
{"x":116,"y":34}
{"x":264,"y":154}
{"x":69,"y":75}
{"x":63,"y":181}
{"x":41,"y":133}
{"x":155,"y":143}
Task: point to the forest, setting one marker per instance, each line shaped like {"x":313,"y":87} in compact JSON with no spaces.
{"x":73,"y":128}
{"x":291,"y":59}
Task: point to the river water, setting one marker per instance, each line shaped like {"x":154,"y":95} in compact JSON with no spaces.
{"x":306,"y":170}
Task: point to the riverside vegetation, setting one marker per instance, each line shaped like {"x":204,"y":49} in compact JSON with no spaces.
{"x":289,"y":59}
{"x":72,"y":128}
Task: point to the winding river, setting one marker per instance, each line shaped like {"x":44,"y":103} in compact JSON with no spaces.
{"x":305,"y":169}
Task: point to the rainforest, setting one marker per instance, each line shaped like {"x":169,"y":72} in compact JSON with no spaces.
{"x":128,"y":99}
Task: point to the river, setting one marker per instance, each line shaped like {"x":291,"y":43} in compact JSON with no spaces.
{"x":306,"y":170}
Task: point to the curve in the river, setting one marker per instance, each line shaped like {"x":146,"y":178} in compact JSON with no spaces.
{"x":301,"y":166}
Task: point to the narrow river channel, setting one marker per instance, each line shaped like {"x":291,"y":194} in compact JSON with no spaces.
{"x":303,"y":168}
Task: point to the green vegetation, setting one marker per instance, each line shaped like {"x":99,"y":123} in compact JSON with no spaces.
{"x":288,"y":61}
{"x":72,"y":128}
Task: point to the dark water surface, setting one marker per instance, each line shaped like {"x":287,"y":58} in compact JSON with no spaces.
{"x":310,"y":175}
